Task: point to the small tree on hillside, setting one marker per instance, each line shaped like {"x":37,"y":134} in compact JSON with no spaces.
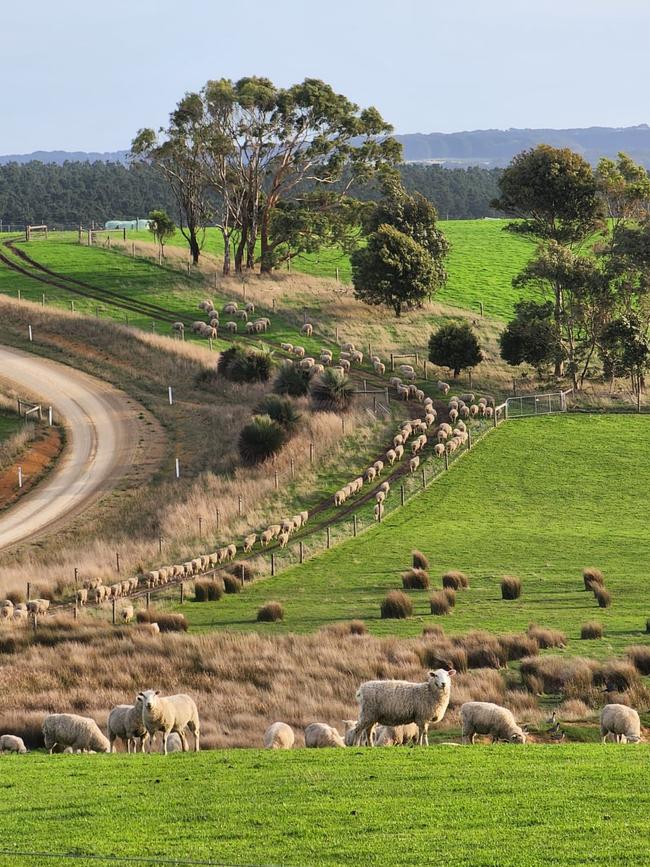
{"x":162,"y":227}
{"x":455,"y":346}
{"x":625,"y":350}
{"x":530,"y":337}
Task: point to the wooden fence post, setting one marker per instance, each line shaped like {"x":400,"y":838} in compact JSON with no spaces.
{"x":329,"y":538}
{"x":182,"y":592}
{"x":114,"y":611}
{"x":424,"y":478}
{"x":272,"y":565}
{"x":401,"y":495}
{"x":29,"y":590}
{"x":148,"y":599}
{"x":354,"y":525}
{"x":469,"y":439}
{"x":446,"y":459}
{"x":302,"y":552}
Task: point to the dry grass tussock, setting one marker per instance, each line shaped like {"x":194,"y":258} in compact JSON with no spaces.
{"x":241,"y":682}
{"x":201,"y":426}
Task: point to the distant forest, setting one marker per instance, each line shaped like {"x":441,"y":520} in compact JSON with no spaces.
{"x":82,"y":192}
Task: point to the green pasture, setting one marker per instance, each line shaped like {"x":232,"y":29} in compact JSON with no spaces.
{"x":9,"y":425}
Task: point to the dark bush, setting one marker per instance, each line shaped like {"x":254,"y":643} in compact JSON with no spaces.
{"x":592,"y":578}
{"x":245,"y":365}
{"x":639,"y":656}
{"x":42,"y":593}
{"x":546,"y":637}
{"x":270,"y":613}
{"x":591,"y":630}
{"x":442,"y":654}
{"x":332,"y":391}
{"x":434,"y":631}
{"x":573,"y":676}
{"x":280,"y":409}
{"x":292,"y":380}
{"x":260,"y":439}
{"x":450,"y":593}
{"x":415,"y":579}
{"x":16,"y":596}
{"x":8,"y":644}
{"x":206,"y":590}
{"x":439,"y":603}
{"x":420,"y":560}
{"x":455,"y":580}
{"x":518,"y":645}
{"x":243,"y":571}
{"x":231,"y":584}
{"x":483,"y":649}
{"x":618,"y":675}
{"x":510,"y":587}
{"x":396,"y":606}
{"x":603,"y":597}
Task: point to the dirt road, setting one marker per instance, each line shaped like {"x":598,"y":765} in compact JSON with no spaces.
{"x":102,"y":437}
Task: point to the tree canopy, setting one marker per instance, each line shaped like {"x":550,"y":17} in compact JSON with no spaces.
{"x":455,"y":346}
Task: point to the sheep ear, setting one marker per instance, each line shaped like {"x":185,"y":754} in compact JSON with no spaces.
{"x":157,"y":692}
{"x":451,"y":672}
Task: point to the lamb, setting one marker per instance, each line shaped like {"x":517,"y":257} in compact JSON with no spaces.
{"x":620,"y":721}
{"x":279,"y":736}
{"x":126,"y":614}
{"x":266,"y":537}
{"x":414,"y":463}
{"x":250,"y":307}
{"x":178,"y":328}
{"x":71,"y":730}
{"x":486,"y":718}
{"x":307,"y":329}
{"x":173,"y":713}
{"x":12,"y":744}
{"x":230,"y":308}
{"x":322,"y":735}
{"x":125,"y":722}
{"x":391,"y":456}
{"x":349,"y":725}
{"x":389,"y":736}
{"x":249,"y":541}
{"x":398,"y":702}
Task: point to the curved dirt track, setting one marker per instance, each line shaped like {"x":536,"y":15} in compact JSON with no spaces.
{"x":102,"y":437}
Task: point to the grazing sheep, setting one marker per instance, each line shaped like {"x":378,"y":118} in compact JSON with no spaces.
{"x":178,"y":328}
{"x":12,"y":744}
{"x":250,"y":307}
{"x":275,"y":529}
{"x":419,"y":394}
{"x":287,"y":347}
{"x":231,"y":552}
{"x":307,"y":329}
{"x":40,"y":606}
{"x":486,"y":718}
{"x":620,"y":721}
{"x":173,"y":713}
{"x":279,"y":736}
{"x":126,"y":614}
{"x":414,"y":463}
{"x":283,"y":539}
{"x":378,"y":512}
{"x":390,"y":456}
{"x":453,"y":415}
{"x":402,"y":392}
{"x":399,"y":452}
{"x":395,"y":381}
{"x":413,"y":391}
{"x":77,"y":732}
{"x":398,"y":702}
{"x":380,"y":496}
{"x":299,"y":351}
{"x":380,"y":368}
{"x":439,"y":450}
{"x":443,"y":387}
{"x":125,"y":722}
{"x":370,"y":474}
{"x":348,"y":347}
{"x":231,"y":327}
{"x":489,"y":412}
{"x":249,"y":541}
{"x":465,"y":412}
{"x":349,"y":725}
{"x":356,"y":357}
{"x":230,"y":308}
{"x":265,"y":538}
{"x":322,"y":735}
{"x":385,"y":487}
{"x":379,"y":466}
{"x":393,"y":736}
{"x":340,"y":497}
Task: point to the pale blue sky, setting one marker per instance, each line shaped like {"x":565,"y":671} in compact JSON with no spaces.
{"x":86,"y":76}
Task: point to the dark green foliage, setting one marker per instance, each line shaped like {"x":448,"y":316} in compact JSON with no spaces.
{"x":161,"y":226}
{"x":245,"y":365}
{"x":396,"y":606}
{"x":206,"y":590}
{"x":591,"y":630}
{"x":420,"y":560}
{"x":625,"y":348}
{"x":280,"y":409}
{"x":510,"y":587}
{"x":260,"y":439}
{"x":439,"y":603}
{"x":292,"y":380}
{"x":415,"y":579}
{"x":455,"y":346}
{"x":531,"y":336}
{"x":270,"y":613}
{"x":332,"y":391}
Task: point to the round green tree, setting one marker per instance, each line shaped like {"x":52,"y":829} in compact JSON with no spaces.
{"x":455,"y":346}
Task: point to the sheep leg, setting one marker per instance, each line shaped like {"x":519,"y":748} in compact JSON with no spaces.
{"x":195,"y":731}
{"x":164,"y":742}
{"x":183,"y":738}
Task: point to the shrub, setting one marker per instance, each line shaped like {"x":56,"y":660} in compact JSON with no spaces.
{"x":231,"y":584}
{"x":260,"y":439}
{"x":245,"y":365}
{"x":270,"y":613}
{"x":332,"y":390}
{"x":442,"y":654}
{"x":455,"y":346}
{"x":415,"y":579}
{"x":280,"y":409}
{"x":455,"y":580}
{"x":450,"y":593}
{"x":573,"y":709}
{"x":639,"y":656}
{"x":207,"y":591}
{"x":358,"y":627}
{"x":618,"y":675}
{"x":439,"y":603}
{"x":420,"y":560}
{"x":603,"y":597}
{"x":434,"y":631}
{"x":510,"y":587}
{"x":556,"y":674}
{"x":396,"y":606}
{"x":591,"y":630}
{"x":352,"y":627}
{"x":292,"y":380}
{"x":518,"y":645}
{"x":545,"y":636}
{"x":242,"y":571}
{"x":16,"y":596}
{"x":592,"y":578}
{"x":483,"y":649}
{"x":167,"y":621}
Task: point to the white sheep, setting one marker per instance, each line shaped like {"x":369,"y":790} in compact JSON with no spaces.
{"x":379,"y":466}
{"x":178,"y":328}
{"x":398,"y":702}
{"x":443,"y":387}
{"x":486,"y":718}
{"x":71,"y":730}
{"x":231,"y":327}
{"x":370,"y":474}
{"x":380,"y":368}
{"x":385,"y":487}
{"x":126,"y":613}
{"x":283,"y":539}
{"x":250,"y":307}
{"x":39,"y":606}
{"x":287,"y":347}
{"x":279,"y":736}
{"x":399,"y":452}
{"x":172,"y":713}
{"x":299,"y":351}
{"x":12,"y":744}
{"x":620,"y":721}
{"x":393,"y":736}
{"x":249,"y":541}
{"x":380,"y":496}
{"x":322,"y":735}
{"x":439,"y":450}
{"x":391,"y":456}
{"x":414,"y":463}
{"x":125,"y":722}
{"x":349,"y":725}
{"x":307,"y":329}
{"x":348,"y":347}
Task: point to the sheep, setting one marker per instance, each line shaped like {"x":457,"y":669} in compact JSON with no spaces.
{"x":385,"y":487}
{"x":414,"y":463}
{"x":398,"y":702}
{"x":265,"y":538}
{"x":231,"y":327}
{"x":178,"y":328}
{"x":71,"y":730}
{"x":358,"y":483}
{"x":287,"y":347}
{"x":380,"y":368}
{"x":486,"y":718}
{"x":299,"y":351}
{"x":250,"y":327}
{"x":390,"y":456}
{"x":287,"y":525}
{"x":465,"y":412}
{"x":279,"y":736}
{"x":283,"y":539}
{"x":406,"y":368}
{"x":412,"y":391}
{"x":379,"y":466}
{"x":322,"y":735}
{"x":230,"y":308}
{"x":250,"y":307}
{"x":419,"y":394}
{"x":249,"y":541}
{"x":349,"y":725}
{"x":12,"y":744}
{"x":620,"y":721}
{"x":40,"y":606}
{"x":356,"y":357}
{"x":307,"y":329}
{"x":275,"y":529}
{"x":389,"y":736}
{"x":489,"y":412}
{"x":174,"y":743}
{"x":125,"y":722}
{"x":380,"y":496}
{"x":231,"y":552}
{"x":399,"y":452}
{"x":398,"y":440}
{"x":20,"y":611}
{"x":307,"y":363}
{"x":439,"y":450}
{"x":262,"y":325}
{"x":443,"y":387}
{"x":395,"y":381}
{"x":348,"y":347}
{"x":153,"y":628}
{"x":126,"y":614}
{"x":453,"y":415}
{"x":305,"y":516}
{"x":297,"y":522}
{"x":172,"y":713}
{"x":7,"y":609}
{"x":378,"y":512}
{"x":370,"y":474}
{"x":196,"y":564}
{"x":402,"y":392}
{"x":325,"y":360}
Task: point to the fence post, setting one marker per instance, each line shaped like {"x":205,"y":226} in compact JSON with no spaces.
{"x":329,"y":538}
{"x":469,"y":439}
{"x":242,"y":568}
{"x":200,"y":527}
{"x":239,"y":505}
{"x":182,"y":592}
{"x":148,"y":599}
{"x":311,"y":452}
{"x":76,"y":577}
{"x":446,"y":459}
{"x":35,"y":621}
{"x":276,"y":480}
{"x":114,"y":601}
{"x":354,"y":525}
{"x":302,"y":552}
{"x":117,"y":560}
{"x":160,"y":544}
{"x":218,"y":518}
{"x":272,"y":565}
{"x":392,"y":362}
{"x":401,"y":495}
{"x":424,"y":478}
{"x":29,"y":590}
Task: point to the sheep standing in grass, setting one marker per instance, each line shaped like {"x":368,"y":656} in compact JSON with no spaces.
{"x":390,"y":456}
{"x":486,"y":718}
{"x":396,"y":736}
{"x":398,"y":702}
{"x":249,"y":541}
{"x":283,"y":539}
{"x":620,"y":721}
{"x":378,"y":511}
{"x":322,"y":735}
{"x":279,"y":736}
{"x":126,"y":614}
{"x":77,"y":732}
{"x":349,"y":725}
{"x":414,"y":463}
{"x":307,"y":329}
{"x":173,"y":713}
{"x":125,"y":722}
{"x":12,"y":744}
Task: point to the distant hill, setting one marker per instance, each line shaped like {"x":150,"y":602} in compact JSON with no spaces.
{"x":60,"y":157}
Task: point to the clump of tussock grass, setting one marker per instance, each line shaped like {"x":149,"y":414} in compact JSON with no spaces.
{"x":245,"y":365}
{"x":168,"y":621}
{"x":260,"y":439}
{"x":510,"y":587}
{"x":16,"y":596}
{"x":439,"y":603}
{"x":434,"y":631}
{"x":331,"y":391}
{"x":573,"y":710}
{"x":591,"y":630}
{"x":270,"y":612}
{"x":231,"y":584}
{"x":639,"y":656}
{"x":281,"y":410}
{"x":603,"y":597}
{"x":592,"y":578}
{"x":351,"y":627}
{"x":415,"y":579}
{"x":483,"y":649}
{"x":419,"y":560}
{"x":572,"y":676}
{"x":451,"y":596}
{"x":442,"y":653}
{"x":517,"y":645}
{"x":455,"y":580}
{"x":244,"y":571}
{"x":207,"y":590}
{"x":545,"y":636}
{"x":618,"y":675}
{"x":291,"y":380}
{"x":396,"y":606}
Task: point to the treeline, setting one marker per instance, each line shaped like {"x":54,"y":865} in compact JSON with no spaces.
{"x":76,"y":192}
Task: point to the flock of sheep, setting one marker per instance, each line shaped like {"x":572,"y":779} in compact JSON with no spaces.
{"x":210,"y":329}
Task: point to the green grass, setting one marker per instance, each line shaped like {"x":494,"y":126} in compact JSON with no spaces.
{"x":472,"y":805}
{"x":538,"y":498}
{"x":9,"y":425}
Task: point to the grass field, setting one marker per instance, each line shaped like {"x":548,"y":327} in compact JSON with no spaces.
{"x":9,"y":425}
{"x":470,"y":805}
{"x":534,"y":499}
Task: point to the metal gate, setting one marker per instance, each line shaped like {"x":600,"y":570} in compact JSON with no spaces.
{"x":527,"y":405}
